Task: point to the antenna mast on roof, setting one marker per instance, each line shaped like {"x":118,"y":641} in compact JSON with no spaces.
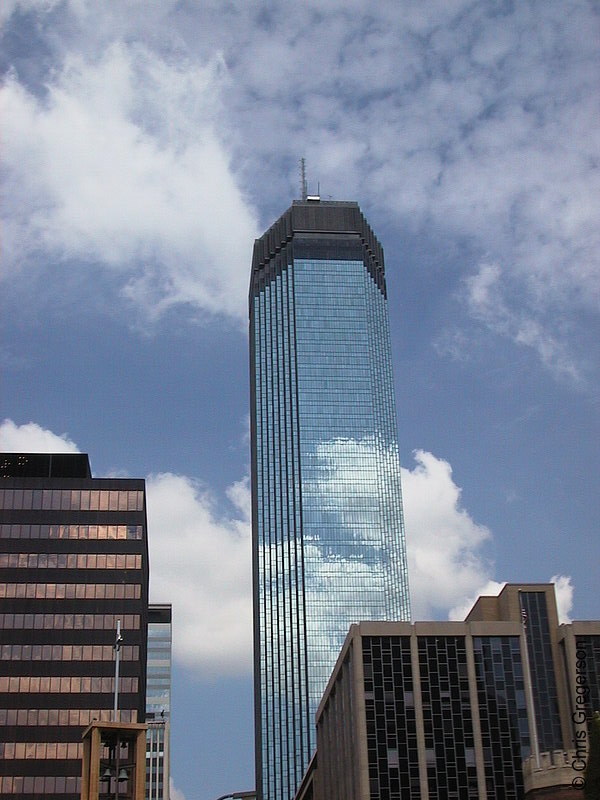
{"x":303,"y":187}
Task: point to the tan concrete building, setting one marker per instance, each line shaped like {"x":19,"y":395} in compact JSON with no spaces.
{"x":551,"y":777}
{"x":451,"y":709}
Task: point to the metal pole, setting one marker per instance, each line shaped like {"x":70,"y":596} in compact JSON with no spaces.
{"x":118,"y":642}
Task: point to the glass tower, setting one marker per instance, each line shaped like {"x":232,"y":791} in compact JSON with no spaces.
{"x":328,"y":533}
{"x":158,"y":701}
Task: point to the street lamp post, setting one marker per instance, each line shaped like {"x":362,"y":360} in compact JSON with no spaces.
{"x":117,"y":646}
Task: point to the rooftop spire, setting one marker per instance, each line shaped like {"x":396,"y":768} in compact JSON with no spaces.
{"x":303,"y":186}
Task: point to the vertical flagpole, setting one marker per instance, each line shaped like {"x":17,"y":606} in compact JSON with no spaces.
{"x":534,"y":734}
{"x":117,"y":647}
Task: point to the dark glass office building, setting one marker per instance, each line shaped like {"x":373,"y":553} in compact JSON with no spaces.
{"x":430,"y":710}
{"x":328,"y":535}
{"x":73,"y":562}
{"x":460,"y":710}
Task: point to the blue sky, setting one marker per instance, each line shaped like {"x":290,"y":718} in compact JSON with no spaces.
{"x":146,"y":144}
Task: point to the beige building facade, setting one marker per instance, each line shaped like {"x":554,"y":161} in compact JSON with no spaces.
{"x":451,"y":709}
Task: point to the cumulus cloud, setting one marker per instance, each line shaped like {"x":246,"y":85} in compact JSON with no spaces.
{"x":174,"y":792}
{"x":446,"y":547}
{"x":448,"y":568}
{"x":562,"y":587}
{"x":200,"y":557}
{"x":200,"y":561}
{"x":490,"y":588}
{"x":564,"y":596}
{"x":120,"y":165}
{"x":32,"y":438}
{"x":451,"y":117}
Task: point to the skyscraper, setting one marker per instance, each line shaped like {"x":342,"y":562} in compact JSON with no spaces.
{"x":328,"y":533}
{"x":73,"y":562}
{"x":158,"y":701}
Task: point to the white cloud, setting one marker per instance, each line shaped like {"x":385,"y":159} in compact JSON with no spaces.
{"x":174,"y":792}
{"x":447,"y":122}
{"x":490,"y":588}
{"x":441,"y":116}
{"x":446,"y":562}
{"x":32,"y":438}
{"x":447,"y":566}
{"x":121,"y":165}
{"x":200,"y":561}
{"x":564,"y":596}
{"x":452,"y":343}
{"x":562,"y":587}
{"x":485,"y":297}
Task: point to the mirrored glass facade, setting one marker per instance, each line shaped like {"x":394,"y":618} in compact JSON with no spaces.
{"x":328,"y":537}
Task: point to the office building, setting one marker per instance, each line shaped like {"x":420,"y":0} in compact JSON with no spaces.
{"x":536,"y":604}
{"x":449,"y":709}
{"x":73,"y":562}
{"x":437,"y":710}
{"x":328,"y":536}
{"x":158,"y":701}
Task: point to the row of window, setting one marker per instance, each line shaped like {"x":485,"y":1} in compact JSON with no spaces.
{"x":71,"y":500}
{"x":69,"y":683}
{"x":45,"y":750}
{"x":390,"y":715}
{"x":69,"y":622}
{"x":49,"y":784}
{"x":79,"y":591}
{"x":71,"y":532}
{"x":449,"y":736}
{"x":66,"y":652}
{"x":70,"y":561}
{"x":61,"y":716}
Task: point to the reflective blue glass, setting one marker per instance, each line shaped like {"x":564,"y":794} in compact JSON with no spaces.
{"x":327,"y":508}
